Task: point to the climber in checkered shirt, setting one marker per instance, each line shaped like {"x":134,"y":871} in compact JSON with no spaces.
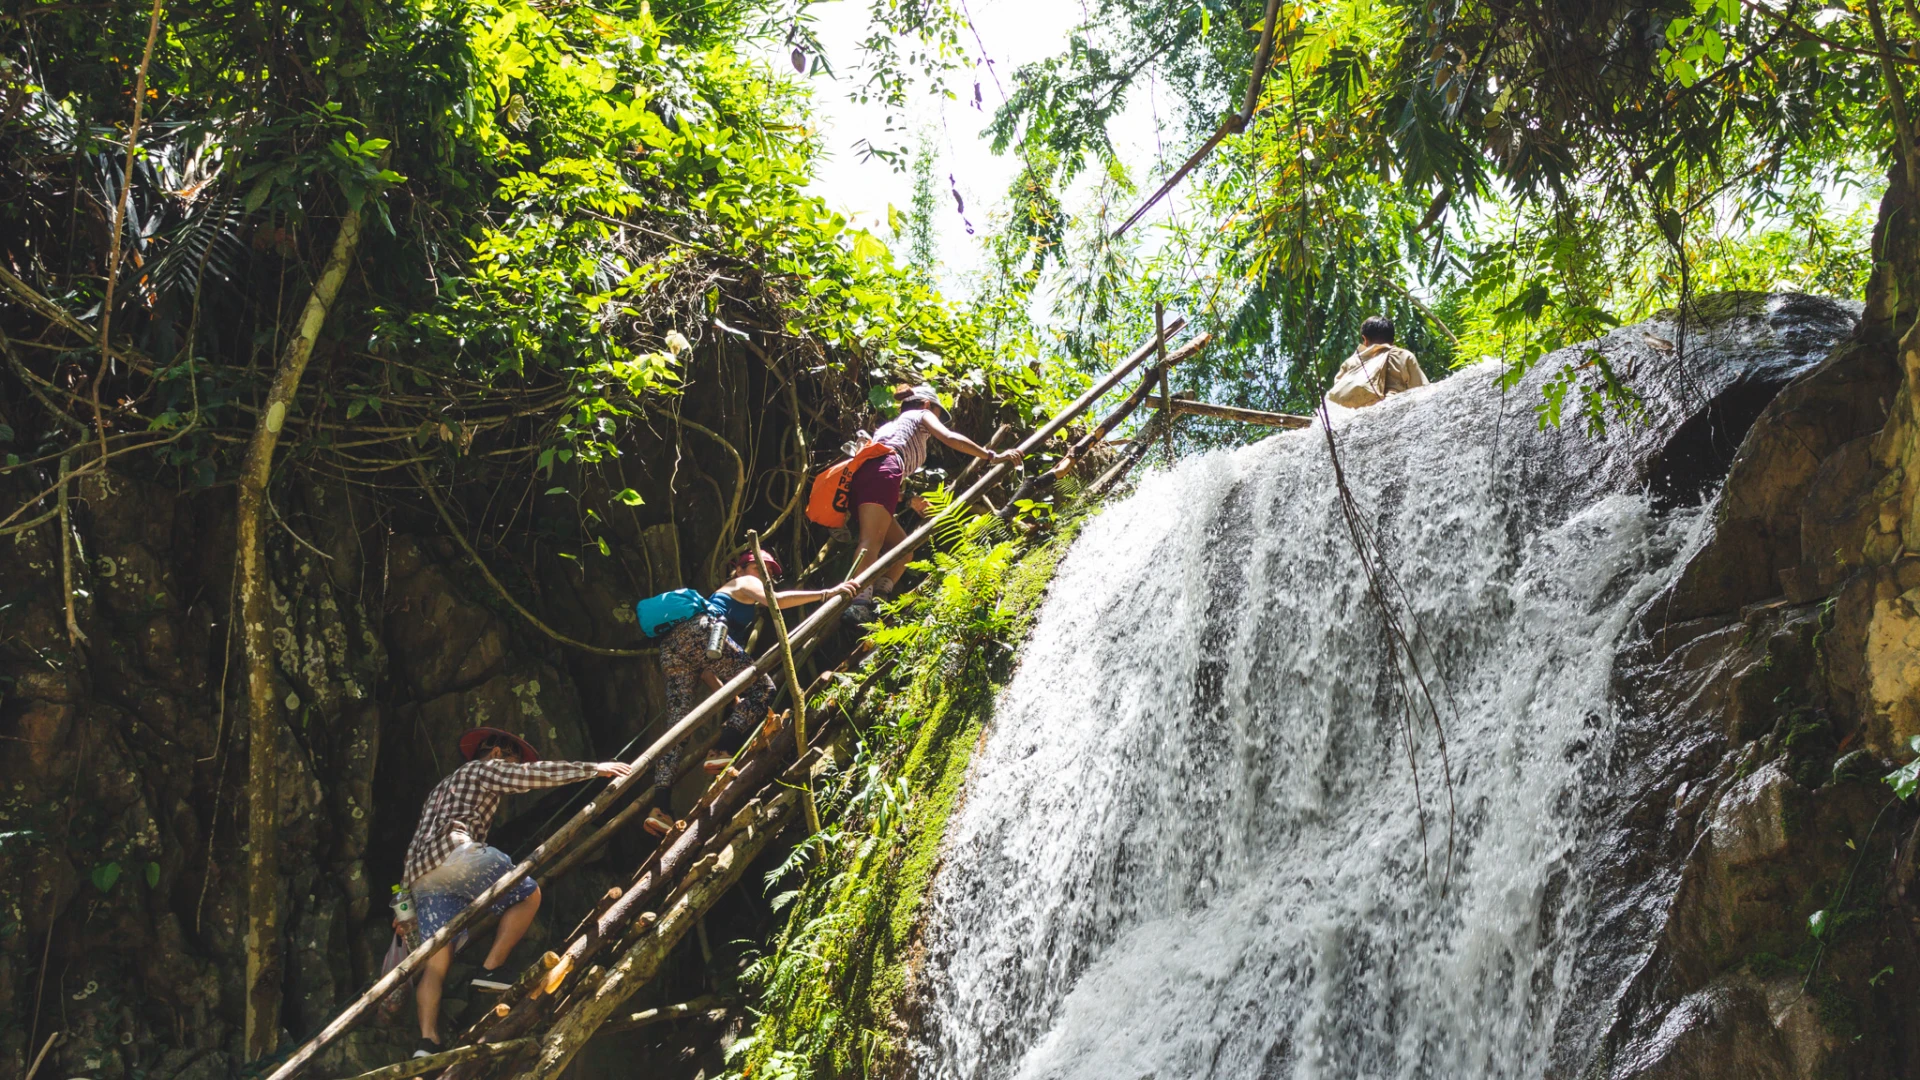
{"x":449,"y":863}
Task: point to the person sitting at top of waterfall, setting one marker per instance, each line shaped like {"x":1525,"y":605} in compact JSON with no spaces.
{"x":1377,"y":368}
{"x":876,"y":487}
{"x":449,"y":863}
{"x":701,"y":654}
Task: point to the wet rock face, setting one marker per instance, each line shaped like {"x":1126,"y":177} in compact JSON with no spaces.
{"x":1751,"y":879}
{"x":122,"y":811}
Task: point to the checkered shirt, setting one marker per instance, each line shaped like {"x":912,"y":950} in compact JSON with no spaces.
{"x":465,"y":803}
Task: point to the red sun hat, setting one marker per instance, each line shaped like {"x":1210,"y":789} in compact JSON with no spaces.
{"x":470,"y":743}
{"x":745,"y":560}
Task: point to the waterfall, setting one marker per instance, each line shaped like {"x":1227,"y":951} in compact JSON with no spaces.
{"x":1190,"y":845}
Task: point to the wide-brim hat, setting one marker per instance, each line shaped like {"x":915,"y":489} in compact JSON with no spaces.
{"x":470,"y":743}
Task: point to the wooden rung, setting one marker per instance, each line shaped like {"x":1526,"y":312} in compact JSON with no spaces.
{"x":556,"y":976}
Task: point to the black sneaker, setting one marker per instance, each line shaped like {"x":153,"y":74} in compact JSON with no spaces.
{"x":486,"y":983}
{"x":863,"y":612}
{"x":426,"y":1048}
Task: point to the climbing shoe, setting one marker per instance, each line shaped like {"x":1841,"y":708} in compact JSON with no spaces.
{"x":657,"y":823}
{"x":486,"y":983}
{"x":863,"y":612}
{"x":426,"y":1048}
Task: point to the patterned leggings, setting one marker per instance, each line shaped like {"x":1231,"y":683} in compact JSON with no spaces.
{"x":683,"y":659}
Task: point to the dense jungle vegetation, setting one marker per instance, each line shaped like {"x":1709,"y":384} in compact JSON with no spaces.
{"x":545,"y":280}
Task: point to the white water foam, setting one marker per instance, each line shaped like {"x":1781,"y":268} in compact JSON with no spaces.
{"x":1189,"y":847}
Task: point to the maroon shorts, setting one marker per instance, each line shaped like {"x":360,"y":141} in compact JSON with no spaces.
{"x":878,"y":481}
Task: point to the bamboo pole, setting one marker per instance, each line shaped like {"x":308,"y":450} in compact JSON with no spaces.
{"x":823,"y":617}
{"x":641,"y":960}
{"x":706,"y":1003}
{"x":720,"y":814}
{"x":1189,"y":407}
{"x":1166,"y":384}
{"x":1041,"y":481}
{"x":1131,"y":401}
{"x":1132,"y":456}
{"x":793,"y":677}
{"x":974,"y":463}
{"x":420,"y":1066}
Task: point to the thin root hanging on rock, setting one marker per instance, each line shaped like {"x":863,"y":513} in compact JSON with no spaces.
{"x":1391,"y":600}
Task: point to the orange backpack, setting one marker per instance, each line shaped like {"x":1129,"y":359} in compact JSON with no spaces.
{"x":832,"y":497}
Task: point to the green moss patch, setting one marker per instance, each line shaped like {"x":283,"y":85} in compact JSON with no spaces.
{"x":834,"y":983}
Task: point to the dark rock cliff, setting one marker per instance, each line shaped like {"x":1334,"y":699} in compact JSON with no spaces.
{"x":1752,"y":877}
{"x":122,"y":762}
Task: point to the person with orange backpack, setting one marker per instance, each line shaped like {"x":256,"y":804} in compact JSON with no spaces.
{"x":868,"y":485}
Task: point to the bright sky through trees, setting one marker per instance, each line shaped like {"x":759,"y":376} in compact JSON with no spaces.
{"x":1013,"y":32}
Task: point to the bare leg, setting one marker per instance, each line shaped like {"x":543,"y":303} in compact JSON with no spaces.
{"x":895,"y":534}
{"x":433,"y":975}
{"x":876,"y":522}
{"x":513,"y":926}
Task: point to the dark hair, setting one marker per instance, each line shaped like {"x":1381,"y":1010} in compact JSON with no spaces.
{"x":1377,"y":330}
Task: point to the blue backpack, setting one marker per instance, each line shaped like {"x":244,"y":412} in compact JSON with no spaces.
{"x":659,"y":614}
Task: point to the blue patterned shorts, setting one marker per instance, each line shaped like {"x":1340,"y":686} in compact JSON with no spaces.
{"x":442,"y":892}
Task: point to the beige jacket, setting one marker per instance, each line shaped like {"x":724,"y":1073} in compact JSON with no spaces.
{"x":1373,"y":372}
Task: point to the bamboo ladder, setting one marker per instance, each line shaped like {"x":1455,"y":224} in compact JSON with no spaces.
{"x":709,"y":838}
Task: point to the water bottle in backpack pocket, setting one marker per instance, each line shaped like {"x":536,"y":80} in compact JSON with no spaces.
{"x":659,"y":614}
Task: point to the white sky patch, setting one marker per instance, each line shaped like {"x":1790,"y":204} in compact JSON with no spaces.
{"x":1008,"y":34}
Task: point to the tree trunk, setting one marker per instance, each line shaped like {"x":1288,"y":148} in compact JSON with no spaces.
{"x":264,"y":975}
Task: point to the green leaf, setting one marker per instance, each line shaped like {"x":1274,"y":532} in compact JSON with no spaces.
{"x":867,"y":249}
{"x":630,"y":497}
{"x":1905,"y":779}
{"x":6,"y":433}
{"x":105,"y":875}
{"x":258,"y":194}
{"x":601,"y":542}
{"x":1817,"y":924}
{"x":545,"y":464}
{"x":153,"y":875}
{"x":554,"y":490}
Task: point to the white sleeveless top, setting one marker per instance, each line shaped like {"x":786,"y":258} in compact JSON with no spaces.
{"x":907,"y":436}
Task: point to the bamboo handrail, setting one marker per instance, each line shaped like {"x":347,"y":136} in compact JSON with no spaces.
{"x":1189,"y":407}
{"x":825,"y":615}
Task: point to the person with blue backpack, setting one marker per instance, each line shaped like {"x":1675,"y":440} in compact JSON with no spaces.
{"x":702,"y":645}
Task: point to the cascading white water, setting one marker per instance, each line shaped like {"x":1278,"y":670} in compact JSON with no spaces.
{"x":1190,"y":847}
